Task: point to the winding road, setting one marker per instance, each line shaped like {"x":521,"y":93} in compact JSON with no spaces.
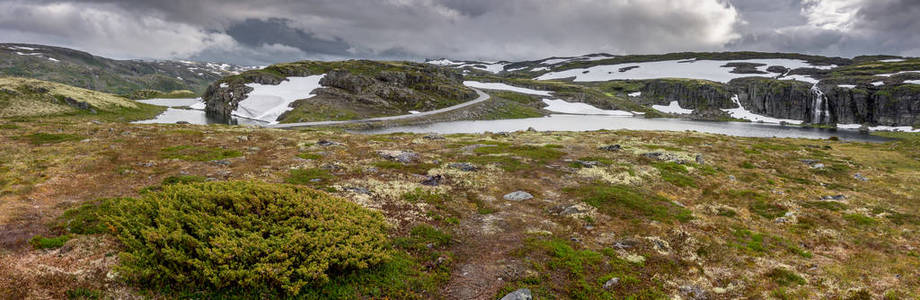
{"x":482,"y":97}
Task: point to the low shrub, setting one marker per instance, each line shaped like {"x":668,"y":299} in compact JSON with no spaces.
{"x":40,"y":242}
{"x":248,"y":236}
{"x":50,"y":138}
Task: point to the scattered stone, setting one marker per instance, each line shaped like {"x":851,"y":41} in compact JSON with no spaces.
{"x":624,"y":244}
{"x":332,"y":167}
{"x":700,"y":160}
{"x":531,"y":129}
{"x":665,"y":156}
{"x":518,"y":196}
{"x":611,"y":148}
{"x":400,"y":156}
{"x":834,"y":197}
{"x":255,"y":149}
{"x":316,"y":180}
{"x":433,"y":137}
{"x":589,"y":163}
{"x":183,"y":122}
{"x":860,"y":177}
{"x":326,"y":143}
{"x":97,"y":122}
{"x":611,"y":283}
{"x":357,"y":190}
{"x":521,"y":294}
{"x":468,"y":167}
{"x":433,"y":180}
{"x":693,"y":292}
{"x":818,"y":166}
{"x":242,"y":138}
{"x":222,"y":162}
{"x":576,"y":210}
{"x":209,"y":179}
{"x":731,"y":177}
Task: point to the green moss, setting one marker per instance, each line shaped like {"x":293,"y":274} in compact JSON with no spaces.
{"x":183,"y":179}
{"x":310,"y":156}
{"x":783,"y":277}
{"x":828,"y":205}
{"x":9,"y":126}
{"x":627,"y":202}
{"x":426,"y":196}
{"x":747,"y":165}
{"x":860,"y":220}
{"x":50,"y":138}
{"x":674,"y":173}
{"x":314,"y":176}
{"x":272,"y":238}
{"x":40,"y":242}
{"x":198,"y":153}
{"x":83,"y":293}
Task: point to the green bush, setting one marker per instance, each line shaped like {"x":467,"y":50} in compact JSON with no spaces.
{"x":40,"y":242}
{"x":247,"y":236}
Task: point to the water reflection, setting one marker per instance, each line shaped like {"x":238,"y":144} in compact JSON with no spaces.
{"x":588,"y":123}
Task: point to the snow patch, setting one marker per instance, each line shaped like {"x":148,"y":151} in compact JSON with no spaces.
{"x":804,"y":78}
{"x":878,"y":83}
{"x":268,"y":102}
{"x":491,"y":68}
{"x":562,"y":106}
{"x":892,"y":60}
{"x":912,"y":81}
{"x":698,"y":69}
{"x":22,"y":48}
{"x":443,"y":62}
{"x":555,"y":61}
{"x":540,"y":69}
{"x":224,"y":85}
{"x":880,"y":128}
{"x":741,"y":113}
{"x":504,"y":87}
{"x":898,"y":73}
{"x":414,"y":112}
{"x":52,"y":59}
{"x":847,"y":86}
{"x":634,"y":94}
{"x":672,"y":108}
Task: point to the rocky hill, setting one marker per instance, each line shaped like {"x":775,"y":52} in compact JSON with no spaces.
{"x":125,"y":77}
{"x":28,"y":98}
{"x":347,"y":89}
{"x":870,"y":90}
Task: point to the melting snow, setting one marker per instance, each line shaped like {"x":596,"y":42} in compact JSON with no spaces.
{"x":540,"y":69}
{"x":892,"y":74}
{"x":555,"y":61}
{"x":878,"y":83}
{"x":892,"y":60}
{"x":491,"y":67}
{"x":698,"y":69}
{"x":804,"y":78}
{"x":504,"y":87}
{"x":52,"y":59}
{"x":741,"y":113}
{"x":912,"y":81}
{"x":414,"y":112}
{"x":28,"y":54}
{"x":847,"y":86}
{"x":880,"y":128}
{"x":443,"y":62}
{"x":562,"y":106}
{"x":672,"y":108}
{"x":22,"y":48}
{"x":268,"y":102}
{"x":634,"y":94}
{"x":224,"y":85}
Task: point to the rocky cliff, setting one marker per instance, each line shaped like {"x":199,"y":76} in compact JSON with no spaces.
{"x":892,"y":104}
{"x":356,"y":88}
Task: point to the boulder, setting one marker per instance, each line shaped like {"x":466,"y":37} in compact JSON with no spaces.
{"x":518,"y":196}
{"x":398,"y":155}
{"x":521,"y":294}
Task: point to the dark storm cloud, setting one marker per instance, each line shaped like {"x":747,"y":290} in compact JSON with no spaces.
{"x":259,"y":32}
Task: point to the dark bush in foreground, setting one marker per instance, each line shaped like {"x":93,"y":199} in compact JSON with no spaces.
{"x":244,"y":236}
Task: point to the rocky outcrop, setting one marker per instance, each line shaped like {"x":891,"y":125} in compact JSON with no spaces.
{"x":379,"y":86}
{"x":892,"y":104}
{"x":689,"y":93}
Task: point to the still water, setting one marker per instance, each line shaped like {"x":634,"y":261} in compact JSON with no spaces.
{"x":179,"y":111}
{"x":587,"y":123}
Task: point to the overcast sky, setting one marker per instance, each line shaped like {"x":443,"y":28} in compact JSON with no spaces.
{"x":267,"y":31}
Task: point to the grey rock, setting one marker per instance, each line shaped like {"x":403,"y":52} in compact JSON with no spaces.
{"x":588,"y":163}
{"x":326,"y":143}
{"x":700,"y":159}
{"x":183,"y":122}
{"x":521,"y":294}
{"x":731,"y":177}
{"x":810,"y":162}
{"x":97,"y":122}
{"x":818,"y":166}
{"x":357,"y":190}
{"x":433,"y":180}
{"x":518,"y":196}
{"x":400,"y":156}
{"x":468,"y":167}
{"x":531,"y":129}
{"x":611,"y":283}
{"x":860,"y":177}
{"x":611,"y":148}
{"x":834,"y":197}
{"x":693,"y":292}
{"x":222,"y":162}
{"x":433,"y":137}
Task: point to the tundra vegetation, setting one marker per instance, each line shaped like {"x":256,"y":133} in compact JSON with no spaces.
{"x":94,"y":207}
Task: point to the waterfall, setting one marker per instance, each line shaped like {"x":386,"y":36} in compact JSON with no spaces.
{"x":818,"y":105}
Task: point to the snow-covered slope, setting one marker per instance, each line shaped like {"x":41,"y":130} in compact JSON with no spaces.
{"x":562,"y":106}
{"x":268,"y":102}
{"x":504,"y":87}
{"x":672,"y":108}
{"x":712,"y":70}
